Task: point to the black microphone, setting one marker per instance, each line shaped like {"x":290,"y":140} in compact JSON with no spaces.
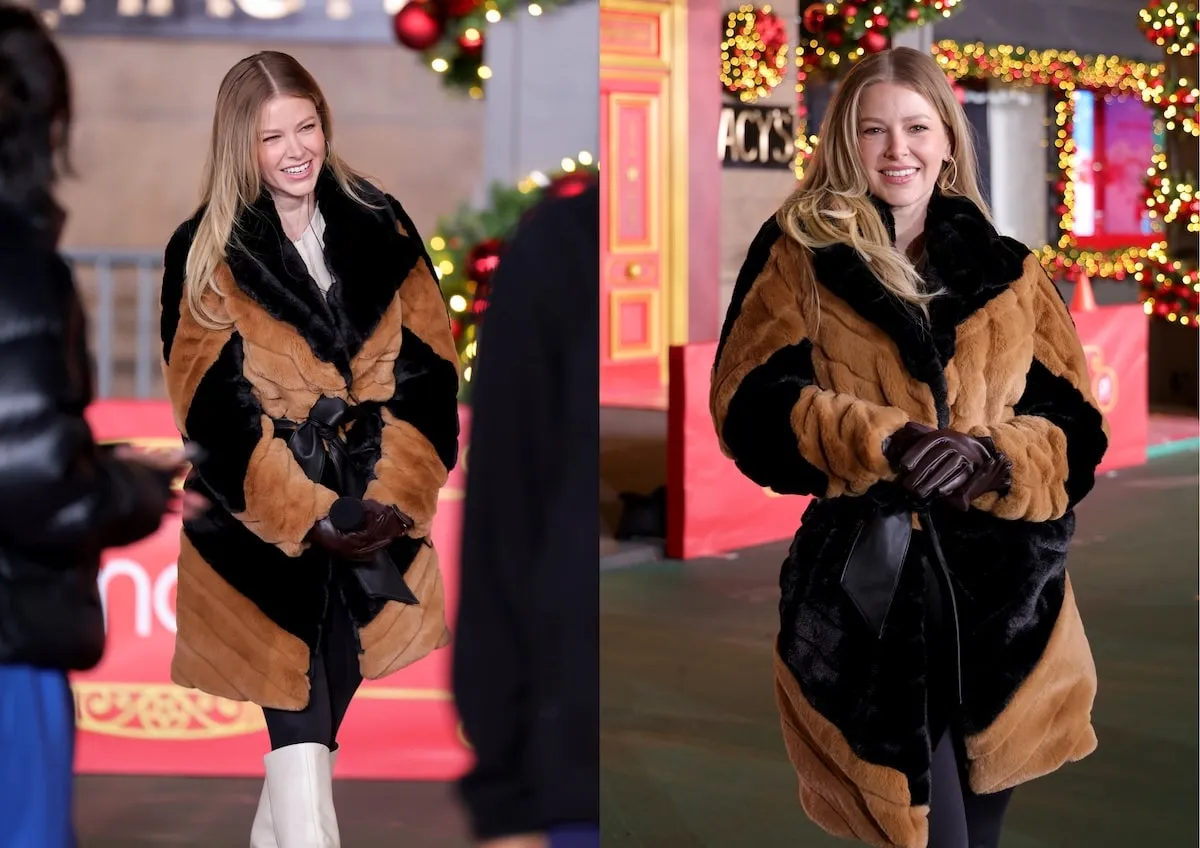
{"x":347,"y":515}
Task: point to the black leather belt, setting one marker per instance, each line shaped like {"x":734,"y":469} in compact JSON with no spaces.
{"x":876,"y":559}
{"x":322,"y":454}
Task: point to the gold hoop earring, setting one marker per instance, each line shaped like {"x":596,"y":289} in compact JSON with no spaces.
{"x":945,"y":182}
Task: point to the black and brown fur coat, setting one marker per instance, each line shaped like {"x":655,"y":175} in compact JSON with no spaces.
{"x":803,"y":399}
{"x":252,"y":593}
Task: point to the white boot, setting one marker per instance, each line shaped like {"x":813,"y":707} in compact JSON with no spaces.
{"x":298,"y":811}
{"x":262,"y":832}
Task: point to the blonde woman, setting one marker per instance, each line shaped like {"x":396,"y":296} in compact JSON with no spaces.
{"x":888,"y":352}
{"x":308,"y":353}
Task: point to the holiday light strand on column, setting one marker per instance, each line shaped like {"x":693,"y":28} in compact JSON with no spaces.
{"x":754,"y":53}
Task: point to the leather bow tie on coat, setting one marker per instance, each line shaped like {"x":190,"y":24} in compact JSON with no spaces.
{"x":322,"y":455}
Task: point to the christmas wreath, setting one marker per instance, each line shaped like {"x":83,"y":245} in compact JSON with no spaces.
{"x":753,"y":53}
{"x":451,"y":35}
{"x":468,"y":246}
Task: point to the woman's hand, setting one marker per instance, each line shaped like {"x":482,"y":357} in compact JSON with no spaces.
{"x":371,"y":530}
{"x":169,"y":465}
{"x":950,"y":465}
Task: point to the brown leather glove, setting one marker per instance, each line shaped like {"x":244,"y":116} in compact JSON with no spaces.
{"x":953,"y":466}
{"x":366,"y":532}
{"x":993,"y":476}
{"x":897,"y":444}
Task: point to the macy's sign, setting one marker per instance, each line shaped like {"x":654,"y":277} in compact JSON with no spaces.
{"x":153,"y":596}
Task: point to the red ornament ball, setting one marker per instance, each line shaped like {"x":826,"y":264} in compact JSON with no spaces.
{"x":482,"y":261}
{"x":417,"y":26}
{"x":833,"y":39}
{"x":881,"y":21}
{"x":458,"y":8}
{"x":471,"y":46}
{"x":849,"y":11}
{"x":569,"y":185}
{"x":913,"y":14}
{"x":873,"y":41}
{"x":814,"y":18}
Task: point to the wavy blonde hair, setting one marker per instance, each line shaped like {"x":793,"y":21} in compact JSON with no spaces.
{"x":232,"y":181}
{"x":832,"y":204}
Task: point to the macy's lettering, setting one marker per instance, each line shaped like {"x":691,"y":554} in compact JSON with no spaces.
{"x":151,"y":597}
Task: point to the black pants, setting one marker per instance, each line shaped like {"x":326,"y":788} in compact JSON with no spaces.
{"x":958,"y":818}
{"x":335,"y":678}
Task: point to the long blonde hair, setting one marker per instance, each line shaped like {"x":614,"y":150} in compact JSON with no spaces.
{"x":232,"y":181}
{"x":832,"y":204}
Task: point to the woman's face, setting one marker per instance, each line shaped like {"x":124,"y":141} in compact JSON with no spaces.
{"x":291,"y":146}
{"x":902,"y":144}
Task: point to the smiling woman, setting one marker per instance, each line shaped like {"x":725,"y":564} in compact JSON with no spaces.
{"x":307,"y":350}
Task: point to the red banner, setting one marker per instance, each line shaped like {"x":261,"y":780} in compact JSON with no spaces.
{"x":1116,"y":340}
{"x":133,"y":720}
{"x":713,"y":509}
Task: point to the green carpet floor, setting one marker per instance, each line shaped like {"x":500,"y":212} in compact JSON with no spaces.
{"x":691,"y":748}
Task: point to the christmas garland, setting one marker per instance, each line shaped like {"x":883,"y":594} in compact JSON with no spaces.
{"x":754,"y":53}
{"x":834,"y":34}
{"x":1168,"y":287}
{"x":451,"y":35}
{"x":468,"y":246}
{"x":1171,"y":25}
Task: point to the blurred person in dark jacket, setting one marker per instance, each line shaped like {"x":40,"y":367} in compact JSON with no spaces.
{"x":526,"y":669}
{"x":62,"y":499}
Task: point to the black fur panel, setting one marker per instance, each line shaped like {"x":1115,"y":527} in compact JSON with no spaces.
{"x":1052,"y":397}
{"x":171,"y":294}
{"x":368,"y":258}
{"x":224,"y":418}
{"x":268,"y":268}
{"x":291,"y":591}
{"x":872,"y":689}
{"x":752,"y":266}
{"x":758,"y":428}
{"x":1009,"y":588}
{"x":426,"y":396}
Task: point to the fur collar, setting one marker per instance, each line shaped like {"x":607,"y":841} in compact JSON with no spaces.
{"x":968,"y":260}
{"x":367,"y":257}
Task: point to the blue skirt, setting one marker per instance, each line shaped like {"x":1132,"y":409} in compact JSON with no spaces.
{"x":37,"y":750}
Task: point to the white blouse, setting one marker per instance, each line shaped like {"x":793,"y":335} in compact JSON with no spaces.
{"x":311,"y":247}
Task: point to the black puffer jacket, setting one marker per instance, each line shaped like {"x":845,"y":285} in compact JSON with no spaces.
{"x":62,"y":499}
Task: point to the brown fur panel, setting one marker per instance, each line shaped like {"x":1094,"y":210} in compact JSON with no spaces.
{"x":1038,"y":450}
{"x":840,"y":431}
{"x":838,"y":791}
{"x":227,"y":647}
{"x":408,"y":473}
{"x":282,"y":504}
{"x":402,"y":634}
{"x":286,"y":375}
{"x":374,"y":366}
{"x":992,"y":352}
{"x":1049,"y":720}
{"x":853,"y":356}
{"x":425,"y":314}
